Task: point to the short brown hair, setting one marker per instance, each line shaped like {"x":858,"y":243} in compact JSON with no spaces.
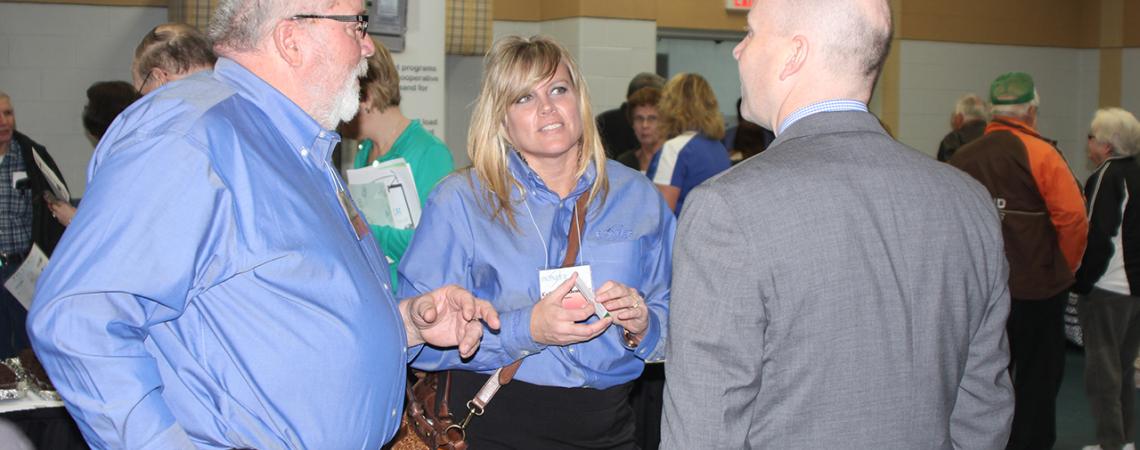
{"x":380,"y":85}
{"x":646,"y":96}
{"x":175,"y":47}
{"x":688,"y":103}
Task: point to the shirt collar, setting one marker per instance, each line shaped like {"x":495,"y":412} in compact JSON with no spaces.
{"x":532,"y":182}
{"x":294,"y":124}
{"x":824,"y":106}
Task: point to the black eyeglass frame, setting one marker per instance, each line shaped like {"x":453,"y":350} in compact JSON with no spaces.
{"x":360,"y":19}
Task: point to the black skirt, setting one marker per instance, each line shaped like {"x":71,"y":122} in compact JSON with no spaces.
{"x":528,"y":416}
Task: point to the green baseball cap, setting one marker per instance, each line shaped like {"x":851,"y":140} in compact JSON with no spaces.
{"x":1013,"y":88}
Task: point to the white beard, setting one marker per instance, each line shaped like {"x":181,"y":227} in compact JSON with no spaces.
{"x":343,"y":105}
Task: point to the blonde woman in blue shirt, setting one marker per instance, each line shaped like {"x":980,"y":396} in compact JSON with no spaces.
{"x":386,"y":134}
{"x":494,"y":227}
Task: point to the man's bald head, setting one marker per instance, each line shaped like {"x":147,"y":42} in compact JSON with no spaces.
{"x":853,"y":37}
{"x":799,"y":52}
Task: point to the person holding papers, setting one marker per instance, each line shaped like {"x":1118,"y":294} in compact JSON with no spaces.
{"x":503,"y":230}
{"x":385,"y":134}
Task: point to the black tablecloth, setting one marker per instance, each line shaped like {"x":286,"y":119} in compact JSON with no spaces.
{"x":48,"y":428}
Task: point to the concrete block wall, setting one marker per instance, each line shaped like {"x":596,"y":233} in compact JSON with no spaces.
{"x":50,"y":54}
{"x":1130,"y":80}
{"x":934,"y":74}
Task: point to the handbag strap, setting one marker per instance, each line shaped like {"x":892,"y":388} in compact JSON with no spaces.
{"x":506,"y":373}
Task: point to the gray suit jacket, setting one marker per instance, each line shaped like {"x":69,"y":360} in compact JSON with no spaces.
{"x":839,"y":290}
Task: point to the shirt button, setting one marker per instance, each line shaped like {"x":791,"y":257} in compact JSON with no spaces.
{"x":387,"y":287}
{"x":393,"y":413}
{"x":571,"y":350}
{"x":525,"y":352}
{"x":304,"y":151}
{"x":321,"y":134}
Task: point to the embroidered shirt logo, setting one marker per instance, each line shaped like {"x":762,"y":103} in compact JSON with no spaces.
{"x":614,"y":233}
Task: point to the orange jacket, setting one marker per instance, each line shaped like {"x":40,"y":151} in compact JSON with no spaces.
{"x":1057,"y":184}
{"x":1040,"y":201}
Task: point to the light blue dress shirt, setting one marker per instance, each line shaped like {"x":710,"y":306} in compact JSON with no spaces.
{"x":629,"y":239}
{"x":211,"y":292}
{"x":818,"y":107}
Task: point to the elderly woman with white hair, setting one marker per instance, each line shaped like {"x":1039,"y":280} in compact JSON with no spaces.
{"x":1109,"y":276}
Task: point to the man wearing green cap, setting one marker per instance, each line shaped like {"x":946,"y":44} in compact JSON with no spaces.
{"x":1044,"y":227}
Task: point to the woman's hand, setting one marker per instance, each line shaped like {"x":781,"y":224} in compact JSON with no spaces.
{"x":626,"y":307}
{"x":551,"y":323}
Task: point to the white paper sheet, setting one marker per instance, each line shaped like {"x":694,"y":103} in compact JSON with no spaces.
{"x":386,"y":194}
{"x":22,"y":284}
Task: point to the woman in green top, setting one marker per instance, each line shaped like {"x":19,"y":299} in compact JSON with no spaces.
{"x":386,"y":134}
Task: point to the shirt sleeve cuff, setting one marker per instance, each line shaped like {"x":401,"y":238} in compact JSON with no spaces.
{"x":648,"y":344}
{"x":516,"y":339}
{"x":413,"y":352}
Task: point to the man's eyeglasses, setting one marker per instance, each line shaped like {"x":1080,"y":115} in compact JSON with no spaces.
{"x":145,"y":80}
{"x":361,"y":21}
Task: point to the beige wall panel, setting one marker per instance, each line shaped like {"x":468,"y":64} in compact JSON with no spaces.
{"x":1047,"y":23}
{"x":1110,"y":72}
{"x":1132,"y":20}
{"x":698,"y":14}
{"x":623,"y":9}
{"x":518,"y":10}
{"x":162,"y":3}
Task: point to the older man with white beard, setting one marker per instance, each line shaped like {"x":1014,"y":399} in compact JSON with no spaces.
{"x":219,"y":289}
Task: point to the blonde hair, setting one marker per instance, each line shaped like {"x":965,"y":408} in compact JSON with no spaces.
{"x":512,"y":68}
{"x":689,"y":103}
{"x":380,"y":85}
{"x":1118,"y":128}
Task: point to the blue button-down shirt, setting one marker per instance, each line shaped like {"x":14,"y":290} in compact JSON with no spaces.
{"x":628,"y":240}
{"x":818,"y":107}
{"x":212,"y":291}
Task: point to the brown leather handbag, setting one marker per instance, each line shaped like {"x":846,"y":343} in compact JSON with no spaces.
{"x":428,"y":422}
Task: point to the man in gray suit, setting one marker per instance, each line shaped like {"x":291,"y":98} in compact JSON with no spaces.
{"x":840,"y":290}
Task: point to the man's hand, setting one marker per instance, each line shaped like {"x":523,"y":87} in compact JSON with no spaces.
{"x":61,"y":210}
{"x":448,"y":317}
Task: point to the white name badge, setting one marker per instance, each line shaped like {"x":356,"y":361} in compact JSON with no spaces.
{"x":549,"y":279}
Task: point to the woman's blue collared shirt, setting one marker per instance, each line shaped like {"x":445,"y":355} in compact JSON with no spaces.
{"x":628,"y":238}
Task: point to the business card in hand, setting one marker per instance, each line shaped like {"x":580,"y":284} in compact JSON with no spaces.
{"x":548,"y":280}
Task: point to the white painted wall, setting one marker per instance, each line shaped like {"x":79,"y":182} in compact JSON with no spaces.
{"x":934,"y":74}
{"x":1130,"y":80}
{"x":50,"y":54}
{"x":422,"y":66}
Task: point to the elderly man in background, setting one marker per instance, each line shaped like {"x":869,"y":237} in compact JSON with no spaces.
{"x":170,"y":52}
{"x":219,"y":289}
{"x":25,"y":217}
{"x":613,"y":125}
{"x":813,"y":306}
{"x":1045,"y":230}
{"x":966,"y":124}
